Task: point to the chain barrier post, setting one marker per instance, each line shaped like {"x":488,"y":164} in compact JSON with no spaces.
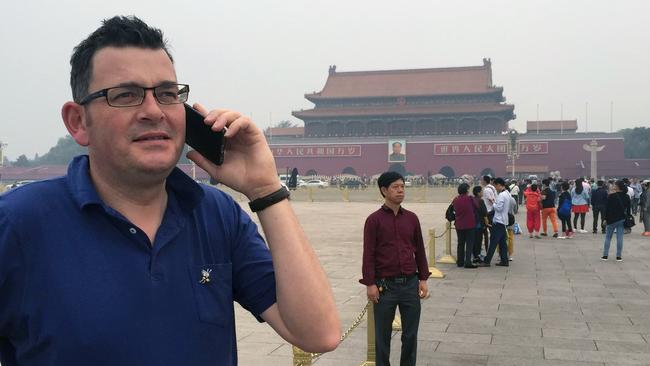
{"x":435,"y":272}
{"x":448,"y":258}
{"x":346,"y":194}
{"x":423,"y":192}
{"x":371,"y":355}
{"x":301,"y":358}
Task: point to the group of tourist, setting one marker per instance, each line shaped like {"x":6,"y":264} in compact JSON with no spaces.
{"x":613,"y":204}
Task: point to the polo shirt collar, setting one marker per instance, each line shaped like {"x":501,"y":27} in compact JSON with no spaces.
{"x":188,"y":192}
{"x":388,"y":209}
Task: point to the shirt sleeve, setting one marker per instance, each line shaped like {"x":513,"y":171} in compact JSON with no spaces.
{"x":369,"y":245}
{"x":253,"y":273}
{"x":500,"y":202}
{"x":420,"y":253}
{"x":12,"y":277}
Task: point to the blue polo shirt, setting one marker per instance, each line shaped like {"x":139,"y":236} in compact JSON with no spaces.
{"x":81,"y":285}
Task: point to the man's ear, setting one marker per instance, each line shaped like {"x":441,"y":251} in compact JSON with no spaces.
{"x":74,"y":118}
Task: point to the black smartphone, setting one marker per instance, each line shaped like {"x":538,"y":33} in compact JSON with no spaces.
{"x":201,"y":138}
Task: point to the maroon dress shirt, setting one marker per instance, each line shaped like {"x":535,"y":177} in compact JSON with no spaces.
{"x":465,"y":208}
{"x":393,"y":246}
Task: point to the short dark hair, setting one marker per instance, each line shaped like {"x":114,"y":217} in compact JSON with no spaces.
{"x":397,"y":143}
{"x":487,"y":179}
{"x":463,"y":188}
{"x":533,"y":187}
{"x":386,"y":179}
{"x":565,"y":186}
{"x":499,"y":181}
{"x":546,"y":181}
{"x":621,"y":185}
{"x":118,"y":31}
{"x":476,"y":190}
{"x":600,"y":183}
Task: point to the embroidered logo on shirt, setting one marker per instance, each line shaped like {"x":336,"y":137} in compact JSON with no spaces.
{"x":205,"y":276}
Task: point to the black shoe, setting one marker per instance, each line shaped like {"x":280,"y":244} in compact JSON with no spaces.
{"x":483,"y":264}
{"x":503,"y":265}
{"x":476,"y":260}
{"x":555,"y":235}
{"x":471,"y":266}
{"x":543,"y":234}
{"x":460,"y":264}
{"x":603,"y":258}
{"x":595,"y":231}
{"x":619,"y":259}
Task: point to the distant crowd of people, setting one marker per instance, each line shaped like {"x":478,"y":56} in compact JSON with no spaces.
{"x":486,"y":218}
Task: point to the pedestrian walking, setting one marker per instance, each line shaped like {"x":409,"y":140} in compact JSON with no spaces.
{"x":618,"y":207}
{"x":499,"y":223}
{"x":533,"y":198}
{"x":579,"y":204}
{"x":514,"y":192}
{"x":482,"y":222}
{"x":465,"y":210}
{"x":598,"y":206}
{"x":644,"y":208}
{"x":564,"y":211}
{"x":548,"y":208}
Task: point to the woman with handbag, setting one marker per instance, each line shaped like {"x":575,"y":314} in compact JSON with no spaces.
{"x":616,"y":213}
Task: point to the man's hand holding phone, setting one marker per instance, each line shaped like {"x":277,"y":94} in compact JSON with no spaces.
{"x":248,"y":164}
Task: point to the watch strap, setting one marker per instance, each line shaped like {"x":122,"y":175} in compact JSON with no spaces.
{"x":266,"y":201}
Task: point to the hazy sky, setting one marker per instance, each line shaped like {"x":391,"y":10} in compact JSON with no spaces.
{"x":260,"y":57}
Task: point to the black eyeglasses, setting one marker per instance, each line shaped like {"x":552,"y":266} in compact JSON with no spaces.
{"x":132,"y":95}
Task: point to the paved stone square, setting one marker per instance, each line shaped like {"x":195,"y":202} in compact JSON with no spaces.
{"x":557,"y":304}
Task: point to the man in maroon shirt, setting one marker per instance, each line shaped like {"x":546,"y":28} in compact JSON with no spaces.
{"x":395,"y":269}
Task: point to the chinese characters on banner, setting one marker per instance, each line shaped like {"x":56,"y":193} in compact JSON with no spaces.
{"x":317,"y":151}
{"x":495,"y":148}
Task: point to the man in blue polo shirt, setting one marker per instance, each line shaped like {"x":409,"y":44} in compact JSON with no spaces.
{"x":126,"y":260}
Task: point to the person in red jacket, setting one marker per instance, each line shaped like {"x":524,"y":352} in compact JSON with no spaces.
{"x":533,"y":221}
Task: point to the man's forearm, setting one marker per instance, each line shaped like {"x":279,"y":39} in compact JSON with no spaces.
{"x":304,"y":296}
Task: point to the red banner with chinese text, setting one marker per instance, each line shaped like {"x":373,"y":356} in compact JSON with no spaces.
{"x":318,"y":151}
{"x":494,"y":148}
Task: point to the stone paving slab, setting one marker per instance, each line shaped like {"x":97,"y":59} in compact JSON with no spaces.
{"x":557,"y":304}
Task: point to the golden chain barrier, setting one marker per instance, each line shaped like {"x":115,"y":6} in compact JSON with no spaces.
{"x":302,"y":358}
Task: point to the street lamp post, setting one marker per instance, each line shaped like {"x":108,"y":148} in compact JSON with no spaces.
{"x":513,"y":151}
{"x":2,"y":156}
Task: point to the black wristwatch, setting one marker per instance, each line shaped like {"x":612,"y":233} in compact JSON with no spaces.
{"x":266,"y":201}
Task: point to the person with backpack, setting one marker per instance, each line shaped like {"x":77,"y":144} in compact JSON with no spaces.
{"x":465,"y":212}
{"x":564,"y":211}
{"x":533,"y":198}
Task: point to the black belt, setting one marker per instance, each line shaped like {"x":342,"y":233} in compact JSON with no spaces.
{"x":400,"y":278}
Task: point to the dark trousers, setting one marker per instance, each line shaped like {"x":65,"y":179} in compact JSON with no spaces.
{"x":582,"y":220}
{"x":405,"y":295}
{"x":498,"y":237}
{"x":599,"y":210}
{"x":486,"y":238}
{"x":566,"y":223}
{"x":465,"y":246}
{"x":478,"y":239}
